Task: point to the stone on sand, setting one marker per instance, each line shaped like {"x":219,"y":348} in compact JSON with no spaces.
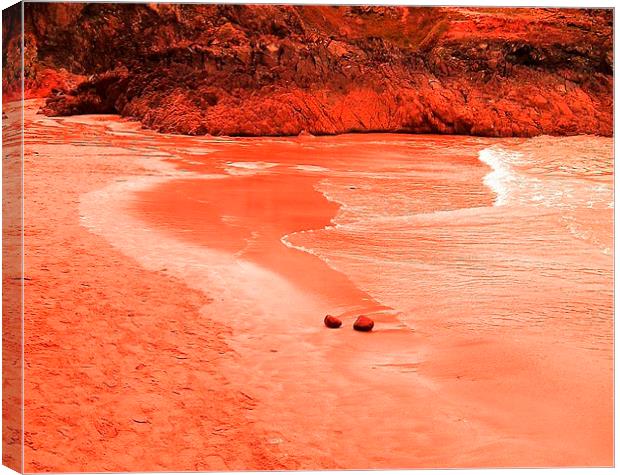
{"x":363,"y":324}
{"x":332,"y":322}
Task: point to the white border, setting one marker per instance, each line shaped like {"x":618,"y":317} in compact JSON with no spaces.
{"x":482,"y":3}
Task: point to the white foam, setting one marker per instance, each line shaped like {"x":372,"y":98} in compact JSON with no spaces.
{"x":310,"y":168}
{"x":501,"y":177}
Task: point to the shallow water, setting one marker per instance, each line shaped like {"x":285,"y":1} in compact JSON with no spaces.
{"x":426,"y":240}
{"x":517,"y":231}
{"x":489,"y":260}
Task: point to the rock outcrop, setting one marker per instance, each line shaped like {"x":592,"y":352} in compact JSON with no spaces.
{"x":281,"y":70}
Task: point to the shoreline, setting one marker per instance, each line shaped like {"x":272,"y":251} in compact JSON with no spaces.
{"x":257,"y":233}
{"x":270,"y":345}
{"x":355,"y":381}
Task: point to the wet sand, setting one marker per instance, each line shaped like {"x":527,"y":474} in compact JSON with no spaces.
{"x":158,"y":263}
{"x":247,"y":216}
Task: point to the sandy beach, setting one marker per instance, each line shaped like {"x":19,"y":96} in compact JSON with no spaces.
{"x":115,"y":354}
{"x":176,"y":288}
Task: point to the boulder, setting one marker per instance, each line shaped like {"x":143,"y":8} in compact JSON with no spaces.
{"x":363,"y":324}
{"x":332,"y":322}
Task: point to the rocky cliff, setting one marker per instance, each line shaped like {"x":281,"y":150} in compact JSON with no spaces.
{"x":281,"y":70}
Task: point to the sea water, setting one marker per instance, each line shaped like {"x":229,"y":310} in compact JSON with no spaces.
{"x":425,"y":238}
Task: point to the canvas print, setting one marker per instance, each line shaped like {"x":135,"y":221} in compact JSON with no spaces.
{"x":295,"y":237}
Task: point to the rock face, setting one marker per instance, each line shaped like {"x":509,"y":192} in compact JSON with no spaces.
{"x":332,"y":322}
{"x":363,"y":324}
{"x":282,"y":70}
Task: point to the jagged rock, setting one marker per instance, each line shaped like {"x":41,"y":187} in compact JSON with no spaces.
{"x":284,"y":69}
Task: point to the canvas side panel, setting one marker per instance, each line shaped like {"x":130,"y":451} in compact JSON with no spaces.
{"x":12,"y":237}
